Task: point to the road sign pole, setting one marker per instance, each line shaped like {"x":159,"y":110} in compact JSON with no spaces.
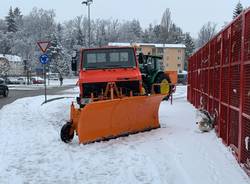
{"x":45,"y":86}
{"x":44,"y":59}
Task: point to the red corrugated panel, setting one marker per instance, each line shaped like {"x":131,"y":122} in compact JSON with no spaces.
{"x":226,"y":46}
{"x":211,"y":107}
{"x":199,"y":54}
{"x":218,"y":50}
{"x":205,"y":56}
{"x":247,"y":37}
{"x":246,"y":142}
{"x":225,"y":82}
{"x":246,"y":103}
{"x":233,"y":128}
{"x":217,"y":83}
{"x":236,"y":40}
{"x":195,"y":80}
{"x":206,"y":81}
{"x":235,"y":86}
{"x":212,"y":52}
{"x":193,"y":97}
{"x":223,"y":124}
{"x":199,"y":79}
{"x":202,"y":80}
{"x":211,"y":81}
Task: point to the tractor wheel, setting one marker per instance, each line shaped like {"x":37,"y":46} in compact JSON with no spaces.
{"x":6,"y":93}
{"x":66,"y":133}
{"x":162,"y":78}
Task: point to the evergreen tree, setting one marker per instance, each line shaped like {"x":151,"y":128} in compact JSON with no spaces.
{"x":157,"y":33}
{"x":10,"y":20}
{"x":238,"y":9}
{"x":18,"y":17}
{"x":190,"y":47}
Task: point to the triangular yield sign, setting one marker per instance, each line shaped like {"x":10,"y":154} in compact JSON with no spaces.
{"x":43,"y":46}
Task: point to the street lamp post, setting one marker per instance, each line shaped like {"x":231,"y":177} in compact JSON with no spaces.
{"x":88,"y":3}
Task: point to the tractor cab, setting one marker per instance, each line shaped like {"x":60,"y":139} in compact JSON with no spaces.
{"x":150,"y":64}
{"x":152,"y":70}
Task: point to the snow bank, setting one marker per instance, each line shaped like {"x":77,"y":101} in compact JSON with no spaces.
{"x":50,"y":84}
{"x":31,"y":150}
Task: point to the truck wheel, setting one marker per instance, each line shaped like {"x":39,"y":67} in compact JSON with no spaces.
{"x":6,"y":93}
{"x":66,"y":133}
{"x":162,"y":78}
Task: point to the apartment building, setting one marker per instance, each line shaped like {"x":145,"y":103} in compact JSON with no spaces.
{"x":173,"y":54}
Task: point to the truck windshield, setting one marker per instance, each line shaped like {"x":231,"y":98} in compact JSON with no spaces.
{"x":108,"y":58}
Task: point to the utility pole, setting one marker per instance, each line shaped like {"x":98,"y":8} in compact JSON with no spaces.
{"x":88,"y":3}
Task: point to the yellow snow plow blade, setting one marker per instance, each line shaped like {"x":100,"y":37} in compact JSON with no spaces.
{"x":113,"y":118}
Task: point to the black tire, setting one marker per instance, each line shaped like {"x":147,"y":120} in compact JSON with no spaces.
{"x":159,"y":80}
{"x":6,"y":93}
{"x":65,"y":133}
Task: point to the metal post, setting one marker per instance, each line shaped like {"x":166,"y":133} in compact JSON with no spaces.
{"x":87,"y":3}
{"x":45,"y":87}
{"x":89,"y":23}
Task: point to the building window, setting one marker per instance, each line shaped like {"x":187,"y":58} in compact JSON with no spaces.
{"x":179,"y":51}
{"x":160,"y":50}
{"x":179,"y":58}
{"x":179,"y":65}
{"x":153,"y":51}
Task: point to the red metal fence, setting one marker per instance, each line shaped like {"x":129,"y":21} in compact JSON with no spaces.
{"x":219,"y":81}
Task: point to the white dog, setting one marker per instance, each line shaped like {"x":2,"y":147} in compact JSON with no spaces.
{"x":205,"y":121}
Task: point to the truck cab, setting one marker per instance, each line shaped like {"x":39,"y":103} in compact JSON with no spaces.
{"x":100,"y":66}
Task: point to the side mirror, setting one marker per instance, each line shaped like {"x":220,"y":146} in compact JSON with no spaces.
{"x":74,"y":61}
{"x":74,"y":65}
{"x":141,"y":58}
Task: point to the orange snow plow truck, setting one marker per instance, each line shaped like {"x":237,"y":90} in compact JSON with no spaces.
{"x":112,"y":100}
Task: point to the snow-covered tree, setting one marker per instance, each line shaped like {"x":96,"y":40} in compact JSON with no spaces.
{"x":207,"y":32}
{"x":10,"y":20}
{"x":238,"y":9}
{"x":175,"y":35}
{"x":58,"y":61}
{"x":166,"y":24}
{"x":130,"y":31}
{"x":18,"y":17}
{"x":5,"y":43}
{"x":4,"y":66}
{"x":3,"y":26}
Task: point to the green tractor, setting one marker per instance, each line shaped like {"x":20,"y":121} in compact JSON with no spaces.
{"x":153,"y":75}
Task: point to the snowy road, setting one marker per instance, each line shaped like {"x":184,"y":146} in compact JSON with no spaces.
{"x":31,"y":151}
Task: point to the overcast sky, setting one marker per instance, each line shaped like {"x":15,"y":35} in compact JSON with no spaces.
{"x":190,"y":15}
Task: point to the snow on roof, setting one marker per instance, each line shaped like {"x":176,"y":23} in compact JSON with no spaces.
{"x":12,"y":58}
{"x":119,"y":44}
{"x":148,"y":44}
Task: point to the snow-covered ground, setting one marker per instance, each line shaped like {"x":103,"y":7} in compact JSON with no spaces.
{"x":50,"y":84}
{"x":31,"y":150}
